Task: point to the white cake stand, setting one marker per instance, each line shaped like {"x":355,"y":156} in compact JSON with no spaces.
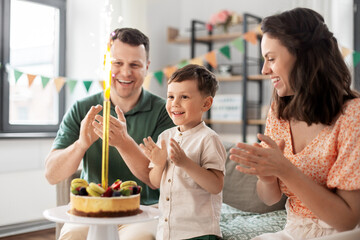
{"x":100,"y":228}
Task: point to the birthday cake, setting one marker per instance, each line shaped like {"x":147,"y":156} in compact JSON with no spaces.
{"x":91,"y":200}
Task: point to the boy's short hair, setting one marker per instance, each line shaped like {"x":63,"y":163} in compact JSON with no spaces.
{"x":207,"y":83}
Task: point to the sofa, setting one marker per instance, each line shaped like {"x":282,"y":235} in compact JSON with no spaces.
{"x":243,"y":215}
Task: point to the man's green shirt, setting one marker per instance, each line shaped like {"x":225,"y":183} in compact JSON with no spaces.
{"x":147,"y":118}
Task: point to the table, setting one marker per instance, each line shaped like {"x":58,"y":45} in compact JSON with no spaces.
{"x":100,"y":228}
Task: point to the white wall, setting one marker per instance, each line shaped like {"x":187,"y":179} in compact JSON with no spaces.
{"x":86,"y":31}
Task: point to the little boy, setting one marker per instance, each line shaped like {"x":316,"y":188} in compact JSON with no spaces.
{"x":189,"y":165}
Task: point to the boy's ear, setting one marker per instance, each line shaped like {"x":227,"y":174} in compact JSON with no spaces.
{"x":207,"y":103}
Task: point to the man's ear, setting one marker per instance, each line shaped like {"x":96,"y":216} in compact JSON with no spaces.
{"x":207,"y":103}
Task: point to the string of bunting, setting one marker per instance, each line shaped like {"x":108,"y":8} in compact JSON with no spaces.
{"x":209,"y":57}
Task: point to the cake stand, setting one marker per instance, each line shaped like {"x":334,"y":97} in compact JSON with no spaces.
{"x":100,"y":228}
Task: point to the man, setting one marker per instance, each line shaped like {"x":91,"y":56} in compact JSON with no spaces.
{"x":137,"y":114}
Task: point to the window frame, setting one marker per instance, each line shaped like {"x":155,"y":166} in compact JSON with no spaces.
{"x":28,"y":131}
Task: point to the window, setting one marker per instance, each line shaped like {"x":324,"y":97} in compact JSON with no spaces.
{"x":32,"y":55}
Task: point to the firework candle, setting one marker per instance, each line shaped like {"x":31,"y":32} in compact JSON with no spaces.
{"x":106,"y":119}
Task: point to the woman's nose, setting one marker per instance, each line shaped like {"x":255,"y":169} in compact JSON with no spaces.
{"x":265,"y":69}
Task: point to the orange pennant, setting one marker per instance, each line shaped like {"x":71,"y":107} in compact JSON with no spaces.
{"x":345,"y":52}
{"x":250,"y":37}
{"x":168,"y":71}
{"x":210,"y":57}
{"x":147,"y":81}
{"x":198,"y":61}
{"x":59,"y":83}
{"x":31,"y":79}
{"x":102,"y":83}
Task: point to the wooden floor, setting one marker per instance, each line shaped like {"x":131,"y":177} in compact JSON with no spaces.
{"x":48,"y":234}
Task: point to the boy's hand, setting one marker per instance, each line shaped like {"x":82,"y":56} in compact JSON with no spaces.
{"x":177,"y":155}
{"x":153,"y":152}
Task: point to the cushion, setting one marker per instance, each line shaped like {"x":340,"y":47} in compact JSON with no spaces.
{"x":240,"y":189}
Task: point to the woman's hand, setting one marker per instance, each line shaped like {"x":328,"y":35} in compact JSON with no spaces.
{"x":266,"y":163}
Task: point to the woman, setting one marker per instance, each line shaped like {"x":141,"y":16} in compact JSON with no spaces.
{"x":311,"y":147}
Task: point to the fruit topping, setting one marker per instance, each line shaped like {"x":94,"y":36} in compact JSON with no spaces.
{"x":83,"y":192}
{"x":108,"y":192}
{"x":116,"y":184}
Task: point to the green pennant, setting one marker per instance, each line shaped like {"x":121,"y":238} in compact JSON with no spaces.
{"x":182,"y":64}
{"x":356,"y":58}
{"x":71,"y":84}
{"x":17,"y":75}
{"x":44,"y":81}
{"x":87,"y":84}
{"x":225,"y":50}
{"x":159,"y":76}
{"x":238,"y":44}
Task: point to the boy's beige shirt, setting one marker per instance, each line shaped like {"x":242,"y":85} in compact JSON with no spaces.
{"x":187,"y":210}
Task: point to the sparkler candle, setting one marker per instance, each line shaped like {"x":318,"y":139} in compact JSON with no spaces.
{"x":106,"y":119}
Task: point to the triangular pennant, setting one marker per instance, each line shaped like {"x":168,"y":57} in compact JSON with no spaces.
{"x":71,"y":84}
{"x":250,"y":37}
{"x":87,"y":84}
{"x":197,"y":61}
{"x":345,"y":52}
{"x":238,"y":44}
{"x":356,"y":58}
{"x":17,"y":75}
{"x":182,"y":64}
{"x":59,"y":83}
{"x":147,"y":81}
{"x":44,"y":81}
{"x":210,"y":57}
{"x":168,"y":71}
{"x":31,"y":79}
{"x":159,"y":76}
{"x":258,"y":30}
{"x":101,"y":82}
{"x":225,"y":50}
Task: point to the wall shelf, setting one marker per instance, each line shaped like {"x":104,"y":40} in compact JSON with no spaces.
{"x":197,"y":28}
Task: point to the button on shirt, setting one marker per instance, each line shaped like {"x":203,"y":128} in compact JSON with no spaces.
{"x":187,"y":209}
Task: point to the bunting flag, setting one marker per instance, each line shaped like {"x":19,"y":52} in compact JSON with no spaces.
{"x":356,"y":58}
{"x":17,"y":75}
{"x":30,"y":78}
{"x":159,"y":76}
{"x":59,"y":83}
{"x":345,"y":52}
{"x":210,"y":57}
{"x":250,"y":37}
{"x":168,"y":71}
{"x":102,"y":84}
{"x":44,"y":81}
{"x":87,"y":84}
{"x":238,"y":44}
{"x":71,"y":84}
{"x":225,"y":50}
{"x":147,"y":80}
{"x":182,"y":64}
{"x":198,"y":61}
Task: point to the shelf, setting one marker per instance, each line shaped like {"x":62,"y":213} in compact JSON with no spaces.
{"x":249,"y":122}
{"x":173,"y":37}
{"x":234,"y":78}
